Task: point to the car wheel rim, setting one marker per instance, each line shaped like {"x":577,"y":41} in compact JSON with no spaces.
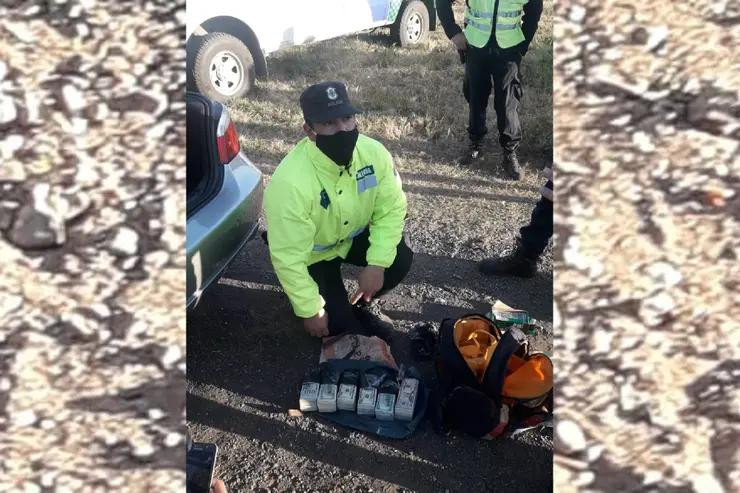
{"x":226,"y":72}
{"x":414,"y":27}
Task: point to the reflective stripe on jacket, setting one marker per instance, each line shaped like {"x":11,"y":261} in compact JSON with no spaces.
{"x":314,"y":208}
{"x":479,"y":22}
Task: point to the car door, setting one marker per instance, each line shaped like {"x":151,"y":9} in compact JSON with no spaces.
{"x":324,"y":19}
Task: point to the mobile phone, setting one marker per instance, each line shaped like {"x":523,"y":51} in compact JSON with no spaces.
{"x":200,"y":463}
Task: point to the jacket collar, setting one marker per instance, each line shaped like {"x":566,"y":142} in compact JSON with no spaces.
{"x":322,"y":163}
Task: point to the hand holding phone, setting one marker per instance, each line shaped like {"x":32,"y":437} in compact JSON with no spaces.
{"x":199,"y":467}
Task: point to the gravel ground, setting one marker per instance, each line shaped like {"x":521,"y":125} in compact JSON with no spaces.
{"x":247,"y":354}
{"x":92,"y":346}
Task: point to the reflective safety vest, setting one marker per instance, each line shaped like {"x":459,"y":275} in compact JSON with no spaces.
{"x":479,"y":22}
{"x":315,"y":208}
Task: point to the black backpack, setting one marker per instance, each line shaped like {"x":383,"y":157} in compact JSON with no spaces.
{"x":488,"y":377}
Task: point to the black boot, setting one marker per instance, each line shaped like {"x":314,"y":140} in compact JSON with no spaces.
{"x":514,"y":264}
{"x":373,"y":321}
{"x":474,"y":152}
{"x":511,"y":165}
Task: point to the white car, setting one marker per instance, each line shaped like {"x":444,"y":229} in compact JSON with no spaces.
{"x":228,"y":40}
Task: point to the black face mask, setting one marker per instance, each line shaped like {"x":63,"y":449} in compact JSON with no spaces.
{"x":338,"y":147}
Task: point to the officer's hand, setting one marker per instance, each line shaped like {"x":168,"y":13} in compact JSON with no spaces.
{"x":546,"y":191}
{"x":218,"y":486}
{"x":318,"y":325}
{"x":371,"y":280}
{"x":461,"y":44}
{"x":547,"y":172}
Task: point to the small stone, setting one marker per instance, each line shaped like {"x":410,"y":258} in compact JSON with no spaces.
{"x":8,"y":304}
{"x":3,"y":70}
{"x":126,"y":241}
{"x":77,"y":205}
{"x":156,"y":260}
{"x":82,"y":30}
{"x":101,"y":309}
{"x":4,"y":384}
{"x":47,"y":479}
{"x":569,"y":437}
{"x":621,"y":121}
{"x":664,"y":274}
{"x":643,"y":142}
{"x":24,"y":418}
{"x":629,"y":399}
{"x":33,"y":107}
{"x":143,"y":450}
{"x":29,"y":487}
{"x":20,"y":31}
{"x":129,"y":263}
{"x":38,"y":226}
{"x":8,"y":112}
{"x":171,"y":356}
{"x":594,"y":452}
{"x":79,"y":126}
{"x":601,"y":341}
{"x":12,"y":170}
{"x":155,"y":414}
{"x":656,"y":36}
{"x":172,"y":439}
{"x":652,"y":477}
{"x":577,"y":14}
{"x":706,"y":483}
{"x":158,"y":131}
{"x":585,"y":478}
{"x":714,"y":198}
{"x":32,"y":10}
{"x":47,"y":424}
{"x":10,"y":144}
{"x":654,"y":309}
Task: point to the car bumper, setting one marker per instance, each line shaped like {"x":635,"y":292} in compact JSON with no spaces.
{"x":219,"y":230}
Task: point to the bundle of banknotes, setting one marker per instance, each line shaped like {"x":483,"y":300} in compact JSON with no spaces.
{"x":373,"y":393}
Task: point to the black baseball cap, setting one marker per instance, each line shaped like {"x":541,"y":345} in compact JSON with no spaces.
{"x":326,"y":101}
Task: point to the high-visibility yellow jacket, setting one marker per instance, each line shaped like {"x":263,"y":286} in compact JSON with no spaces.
{"x":479,"y":17}
{"x":315,"y":208}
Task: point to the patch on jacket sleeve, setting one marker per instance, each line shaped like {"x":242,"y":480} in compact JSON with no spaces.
{"x":366,"y":179}
{"x":324,"y":199}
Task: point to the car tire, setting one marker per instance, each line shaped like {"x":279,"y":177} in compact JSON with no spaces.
{"x":412,"y":26}
{"x":223,"y":68}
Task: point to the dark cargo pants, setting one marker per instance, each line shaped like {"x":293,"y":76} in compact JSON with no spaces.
{"x":534,"y":236}
{"x":328,"y":275}
{"x":491,"y":68}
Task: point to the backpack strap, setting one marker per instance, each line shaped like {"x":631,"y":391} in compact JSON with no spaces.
{"x":451,"y":359}
{"x":493,"y":378}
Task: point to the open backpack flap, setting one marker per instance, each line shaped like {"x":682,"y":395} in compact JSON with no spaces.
{"x":486,"y":375}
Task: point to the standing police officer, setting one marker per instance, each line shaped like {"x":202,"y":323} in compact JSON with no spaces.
{"x":336,"y":197}
{"x":497,"y":34}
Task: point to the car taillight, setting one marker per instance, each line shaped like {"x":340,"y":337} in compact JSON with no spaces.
{"x":227,"y":139}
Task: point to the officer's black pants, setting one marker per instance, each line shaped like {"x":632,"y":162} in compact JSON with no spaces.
{"x":535,"y":235}
{"x":327,"y":274}
{"x":487,"y":68}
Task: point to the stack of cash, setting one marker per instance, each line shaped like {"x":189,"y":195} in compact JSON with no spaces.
{"x":406,"y":401}
{"x":367,"y":394}
{"x":310,"y":392}
{"x":386,"y":400}
{"x":366,"y":401}
{"x":347,"y":396}
{"x":327,"y":400}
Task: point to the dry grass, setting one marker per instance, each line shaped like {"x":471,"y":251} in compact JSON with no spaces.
{"x":411,"y":98}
